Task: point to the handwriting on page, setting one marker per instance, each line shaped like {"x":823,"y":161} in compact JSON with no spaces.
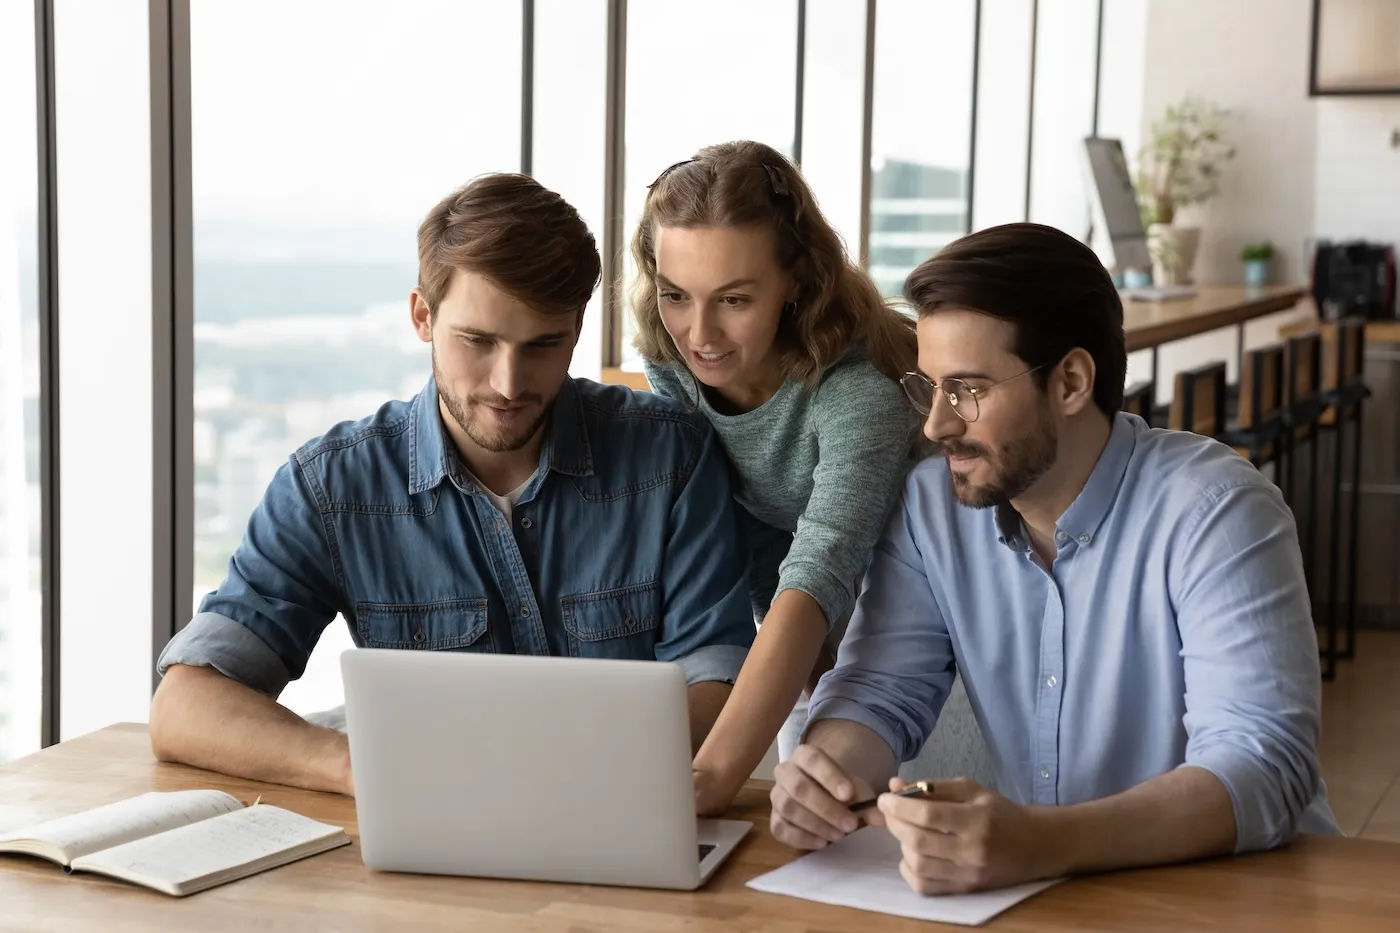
{"x":234,"y":839}
{"x":125,"y":820}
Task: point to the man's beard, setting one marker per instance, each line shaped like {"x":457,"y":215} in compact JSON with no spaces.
{"x":1015,"y":466}
{"x":482,"y":433}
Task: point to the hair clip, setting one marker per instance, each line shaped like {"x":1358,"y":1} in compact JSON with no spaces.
{"x":667,"y":172}
{"x":780,"y":185}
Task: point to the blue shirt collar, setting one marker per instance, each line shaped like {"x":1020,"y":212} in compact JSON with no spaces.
{"x":432,"y":458}
{"x":1082,"y":520}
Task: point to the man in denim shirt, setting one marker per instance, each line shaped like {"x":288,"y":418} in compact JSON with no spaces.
{"x":506,"y":508}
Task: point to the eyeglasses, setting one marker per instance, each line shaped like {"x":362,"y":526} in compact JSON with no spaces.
{"x":961,"y":396}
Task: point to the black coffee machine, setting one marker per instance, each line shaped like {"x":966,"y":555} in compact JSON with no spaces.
{"x":1354,"y":279}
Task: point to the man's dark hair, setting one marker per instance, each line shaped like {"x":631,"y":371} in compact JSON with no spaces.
{"x":1049,"y":286}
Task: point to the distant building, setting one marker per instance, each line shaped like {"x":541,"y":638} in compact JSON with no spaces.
{"x":915,"y":210}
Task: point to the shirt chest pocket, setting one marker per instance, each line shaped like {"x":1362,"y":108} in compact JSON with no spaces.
{"x":446,"y":625}
{"x":615,"y":623}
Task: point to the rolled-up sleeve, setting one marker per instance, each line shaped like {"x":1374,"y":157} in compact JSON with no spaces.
{"x":260,"y":625}
{"x":895,"y":666}
{"x":865,"y":430}
{"x":1253,"y":699}
{"x":708,"y":625}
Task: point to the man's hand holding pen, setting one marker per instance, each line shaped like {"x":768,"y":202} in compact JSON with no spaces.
{"x":955,"y":836}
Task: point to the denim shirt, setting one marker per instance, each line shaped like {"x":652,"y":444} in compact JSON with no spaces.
{"x":625,"y":544}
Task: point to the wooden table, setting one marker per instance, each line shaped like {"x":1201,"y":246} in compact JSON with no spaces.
{"x":1331,"y":884}
{"x":1148,"y":324}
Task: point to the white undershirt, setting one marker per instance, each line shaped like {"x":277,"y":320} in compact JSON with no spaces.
{"x":507,"y":502}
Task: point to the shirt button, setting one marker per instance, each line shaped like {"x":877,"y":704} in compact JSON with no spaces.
{"x":1045,"y":773}
{"x":525,"y":611}
{"x":1084,"y":538}
{"x":1061,"y":537}
{"x":526,"y":523}
{"x":1051,"y":681}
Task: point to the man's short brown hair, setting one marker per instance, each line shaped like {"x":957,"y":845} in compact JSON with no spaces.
{"x":1053,"y":289}
{"x":525,"y":238}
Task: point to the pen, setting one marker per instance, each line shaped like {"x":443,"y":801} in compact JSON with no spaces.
{"x":913,"y":790}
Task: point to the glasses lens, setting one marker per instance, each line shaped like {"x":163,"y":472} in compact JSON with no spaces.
{"x":961,"y":397}
{"x":919,"y":390}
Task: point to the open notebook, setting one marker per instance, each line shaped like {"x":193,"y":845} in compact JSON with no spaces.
{"x":177,"y":842}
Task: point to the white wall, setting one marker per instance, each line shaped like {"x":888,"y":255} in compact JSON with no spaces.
{"x":1250,"y":56}
{"x":1358,"y":168}
{"x":1305,"y":168}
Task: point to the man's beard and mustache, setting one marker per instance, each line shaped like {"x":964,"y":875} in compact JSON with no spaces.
{"x":1015,"y":466}
{"x":479,"y":429}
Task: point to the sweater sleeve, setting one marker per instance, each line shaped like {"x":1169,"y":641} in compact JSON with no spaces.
{"x":667,"y":381}
{"x":865,"y":431}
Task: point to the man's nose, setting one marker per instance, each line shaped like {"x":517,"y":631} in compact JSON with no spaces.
{"x":943,"y":421}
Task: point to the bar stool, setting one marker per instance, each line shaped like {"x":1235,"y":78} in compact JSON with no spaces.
{"x":1302,"y":420}
{"x":1343,"y":391}
{"x":1137,"y":399}
{"x":1256,"y":431}
{"x":1198,"y":400}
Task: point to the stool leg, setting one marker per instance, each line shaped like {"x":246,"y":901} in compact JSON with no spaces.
{"x":1310,"y":538}
{"x":1349,"y":651}
{"x":1334,"y":588}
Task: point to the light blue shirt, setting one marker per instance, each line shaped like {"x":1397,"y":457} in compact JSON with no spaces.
{"x":1173,"y":628}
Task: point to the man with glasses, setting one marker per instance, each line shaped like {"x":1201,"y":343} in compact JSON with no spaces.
{"x":1126,"y":607}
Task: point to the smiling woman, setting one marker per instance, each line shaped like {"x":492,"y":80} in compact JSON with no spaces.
{"x":748,"y":309}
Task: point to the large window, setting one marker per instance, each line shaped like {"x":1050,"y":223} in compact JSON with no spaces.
{"x":697,"y":76}
{"x":1003,"y":112}
{"x":1065,"y":67}
{"x":833,"y":103}
{"x":921,"y":133}
{"x":103,"y":104}
{"x":320,"y":139}
{"x":570,"y":112}
{"x":21,"y":662}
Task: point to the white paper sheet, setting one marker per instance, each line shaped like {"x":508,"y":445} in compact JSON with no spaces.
{"x":862,"y":871}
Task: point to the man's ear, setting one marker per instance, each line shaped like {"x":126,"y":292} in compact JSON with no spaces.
{"x":421,"y":314}
{"x":1076,"y":382}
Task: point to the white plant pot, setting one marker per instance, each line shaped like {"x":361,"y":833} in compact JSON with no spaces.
{"x":1173,"y":251}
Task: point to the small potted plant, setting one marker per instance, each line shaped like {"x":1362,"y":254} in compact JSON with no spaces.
{"x":1179,"y":166}
{"x":1256,"y":257}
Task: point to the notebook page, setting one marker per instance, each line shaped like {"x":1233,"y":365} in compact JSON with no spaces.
{"x":191,"y":852}
{"x":116,"y":823}
{"x":862,"y":871}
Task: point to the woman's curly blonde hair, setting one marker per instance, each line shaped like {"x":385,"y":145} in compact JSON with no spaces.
{"x":740,"y":183}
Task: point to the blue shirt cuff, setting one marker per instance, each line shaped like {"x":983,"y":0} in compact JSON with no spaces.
{"x":214,"y":640}
{"x":713,"y":662}
{"x":842,"y":708}
{"x":1264,"y":817}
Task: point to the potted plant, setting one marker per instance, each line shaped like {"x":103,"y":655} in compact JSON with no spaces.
{"x":1256,"y":257}
{"x":1179,"y":166}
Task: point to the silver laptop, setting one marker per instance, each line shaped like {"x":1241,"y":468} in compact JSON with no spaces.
{"x":539,"y":768}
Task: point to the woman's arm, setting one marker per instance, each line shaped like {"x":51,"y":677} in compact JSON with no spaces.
{"x":778,"y":666}
{"x":864,"y":435}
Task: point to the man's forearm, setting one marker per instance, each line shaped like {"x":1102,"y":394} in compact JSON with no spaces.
{"x":857,"y":749}
{"x":1181,"y":815}
{"x":202,"y":718}
{"x":705,"y":700}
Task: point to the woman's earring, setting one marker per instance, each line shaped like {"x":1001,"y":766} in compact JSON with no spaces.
{"x":790,"y":308}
